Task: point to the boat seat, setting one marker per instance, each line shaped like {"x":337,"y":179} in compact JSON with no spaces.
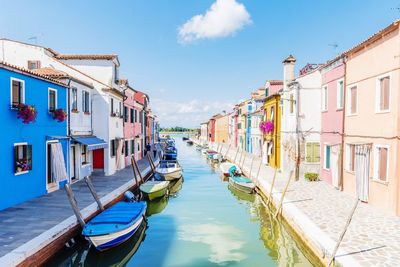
{"x":120,"y":213}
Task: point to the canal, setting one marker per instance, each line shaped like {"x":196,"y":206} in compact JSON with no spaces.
{"x":206,"y":223}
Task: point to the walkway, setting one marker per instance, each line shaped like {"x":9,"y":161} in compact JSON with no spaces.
{"x":319,"y":212}
{"x":27,"y":227}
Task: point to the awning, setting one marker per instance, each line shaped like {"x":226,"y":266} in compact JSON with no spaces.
{"x":92,"y":142}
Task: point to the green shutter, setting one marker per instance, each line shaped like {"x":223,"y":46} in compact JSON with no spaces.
{"x":328,"y":157}
{"x":309,"y":152}
{"x":316,"y":152}
{"x":29,"y":156}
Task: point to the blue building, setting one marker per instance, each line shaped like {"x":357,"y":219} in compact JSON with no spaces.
{"x":33,"y":150}
{"x":248,"y":126}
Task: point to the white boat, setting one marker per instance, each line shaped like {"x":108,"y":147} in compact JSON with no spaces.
{"x":243,"y":184}
{"x":169,"y":170}
{"x":224,"y":167}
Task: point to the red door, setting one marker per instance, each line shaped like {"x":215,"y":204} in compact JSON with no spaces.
{"x":98,"y":159}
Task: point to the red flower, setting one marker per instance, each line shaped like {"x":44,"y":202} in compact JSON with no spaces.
{"x":59,"y":114}
{"x":267,"y":127}
{"x":27,"y":113}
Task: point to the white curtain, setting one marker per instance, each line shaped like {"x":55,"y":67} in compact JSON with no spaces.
{"x":58,"y":171}
{"x":362,"y":171}
{"x":119,"y":153}
{"x":335,"y":165}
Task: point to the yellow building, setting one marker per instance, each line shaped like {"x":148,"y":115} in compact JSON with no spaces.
{"x":272,"y":140}
{"x":222,"y":128}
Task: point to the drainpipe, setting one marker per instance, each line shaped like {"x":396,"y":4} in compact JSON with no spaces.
{"x":297,"y":170}
{"x":343,"y":124}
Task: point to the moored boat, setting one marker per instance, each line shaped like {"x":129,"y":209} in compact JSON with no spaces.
{"x":115,"y":225}
{"x":170,"y":153}
{"x":241,"y":183}
{"x":189,"y":142}
{"x":154,"y":189}
{"x":169,"y":170}
{"x":185,"y":138}
{"x":224,"y":167}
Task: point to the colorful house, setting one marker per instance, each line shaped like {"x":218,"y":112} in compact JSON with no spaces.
{"x":249,"y":111}
{"x":256,"y":116}
{"x":139,"y":127}
{"x":34,"y":150}
{"x":203,"y":133}
{"x":272,"y":111}
{"x":371,"y":142}
{"x":232,"y":128}
{"x":332,"y":105}
{"x":130,"y":125}
{"x":222,"y":128}
{"x":211,"y":130}
{"x":301,"y":119}
{"x":242,"y":128}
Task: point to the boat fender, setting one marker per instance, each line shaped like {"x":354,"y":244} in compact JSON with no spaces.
{"x":129,"y":196}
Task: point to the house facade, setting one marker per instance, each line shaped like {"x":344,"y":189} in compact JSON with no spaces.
{"x":130,"y":114}
{"x":272,"y":112}
{"x":222,"y":128}
{"x":371,"y":144}
{"x":256,"y":116}
{"x":242,"y":126}
{"x":332,"y":122}
{"x":35,"y":151}
{"x":211,"y":130}
{"x":204,"y":133}
{"x":139,"y":124}
{"x":232,"y":128}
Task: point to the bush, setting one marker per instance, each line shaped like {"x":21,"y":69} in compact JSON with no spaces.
{"x":311,"y":176}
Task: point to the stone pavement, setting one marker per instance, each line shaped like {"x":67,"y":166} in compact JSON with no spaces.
{"x":27,"y":221}
{"x":320,"y":212}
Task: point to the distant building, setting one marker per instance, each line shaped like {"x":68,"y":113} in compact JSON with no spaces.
{"x":256,"y":117}
{"x":204,"y":133}
{"x":222,"y":128}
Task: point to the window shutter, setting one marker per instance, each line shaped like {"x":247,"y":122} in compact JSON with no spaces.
{"x":29,"y":156}
{"x":385,"y":96}
{"x":15,"y":158}
{"x":309,"y":152}
{"x":382,"y":164}
{"x":328,"y":157}
{"x":316,"y":151}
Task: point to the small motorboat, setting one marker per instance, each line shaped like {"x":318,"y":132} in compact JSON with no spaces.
{"x":239,"y":182}
{"x":154,"y":189}
{"x":115,"y":225}
{"x":185,"y":138}
{"x":169,"y":170}
{"x":215,"y":157}
{"x":170,"y":153}
{"x":224,"y":167}
{"x":189,"y":142}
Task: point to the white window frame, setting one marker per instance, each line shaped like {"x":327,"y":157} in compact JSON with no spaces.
{"x":11,"y":90}
{"x":84,"y":106}
{"x":324,"y":102}
{"x":48,"y":98}
{"x":72,"y":99}
{"x":20,"y":144}
{"x":340,"y":104}
{"x":375,"y":177}
{"x":348,"y":89}
{"x":325,"y":150}
{"x":378,"y":95}
{"x":347,"y":161}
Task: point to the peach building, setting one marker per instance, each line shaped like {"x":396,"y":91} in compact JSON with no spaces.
{"x":222,"y":128}
{"x":371,"y":142}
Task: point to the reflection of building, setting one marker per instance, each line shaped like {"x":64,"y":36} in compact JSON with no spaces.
{"x":272,"y":112}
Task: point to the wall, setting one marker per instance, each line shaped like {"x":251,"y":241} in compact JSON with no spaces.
{"x":221,"y":129}
{"x":18,"y":188}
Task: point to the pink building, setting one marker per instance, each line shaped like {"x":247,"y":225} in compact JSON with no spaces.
{"x":140,"y":127}
{"x":332,"y":104}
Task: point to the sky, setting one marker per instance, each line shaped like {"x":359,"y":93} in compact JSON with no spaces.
{"x":195,"y":58}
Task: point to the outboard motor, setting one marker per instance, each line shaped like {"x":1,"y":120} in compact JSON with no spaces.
{"x":129,"y":196}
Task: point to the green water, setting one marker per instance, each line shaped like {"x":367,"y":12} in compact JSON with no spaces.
{"x":206,"y":223}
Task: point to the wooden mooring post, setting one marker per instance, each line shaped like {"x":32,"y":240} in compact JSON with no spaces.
{"x":136,"y":168}
{"x":272,"y":187}
{"x":74,"y":205}
{"x":251,"y":164}
{"x":237,"y":151}
{"x":244,"y":159}
{"x":279,"y":208}
{"x":152,"y":166}
{"x":227,"y":151}
{"x":89,"y":183}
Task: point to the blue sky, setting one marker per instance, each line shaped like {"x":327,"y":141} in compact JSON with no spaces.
{"x":239,"y":47}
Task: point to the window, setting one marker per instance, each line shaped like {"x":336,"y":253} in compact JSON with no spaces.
{"x":383,"y":94}
{"x":52,"y":101}
{"x":327,"y":157}
{"x":126,"y":148}
{"x":239,"y":125}
{"x":271,"y":116}
{"x":350,"y":157}
{"x":126,"y":114}
{"x":112,"y":107}
{"x":381,"y":163}
{"x":113,"y":148}
{"x":33,"y":64}
{"x":116,"y":73}
{"x":74,"y":98}
{"x":136,"y":120}
{"x":85,"y":155}
{"x":266,"y":92}
{"x":353,"y":100}
{"x":22,"y":158}
{"x":17,"y":92}
{"x":85,"y":102}
{"x":325,"y":98}
{"x":291,"y":102}
{"x":132,"y":147}
{"x":120,"y":109}
{"x":132,"y":115}
{"x":312,"y":152}
{"x":141,"y":117}
{"x":340,"y":94}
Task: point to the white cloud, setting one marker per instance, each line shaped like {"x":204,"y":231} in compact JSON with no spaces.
{"x":186,"y":113}
{"x":223,"y":240}
{"x":224,"y":18}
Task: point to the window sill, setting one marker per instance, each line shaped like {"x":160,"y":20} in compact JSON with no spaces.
{"x":21,"y":173}
{"x":382,"y":111}
{"x":74,"y":111}
{"x":324,"y":111}
{"x":351,"y":115}
{"x":86,"y":113}
{"x":380,"y":182}
{"x":326,"y":169}
{"x":339,"y":109}
{"x":85,"y":164}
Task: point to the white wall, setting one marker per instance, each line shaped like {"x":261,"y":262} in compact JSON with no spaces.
{"x":80,"y":123}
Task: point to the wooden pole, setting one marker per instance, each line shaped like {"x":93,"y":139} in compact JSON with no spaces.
{"x":344,"y":231}
{"x":226,"y":153}
{"x":150,"y":163}
{"x":237,"y":151}
{"x":94,"y":193}
{"x":279,"y":208}
{"x":134,"y":170}
{"x":138,"y":170}
{"x":244,"y":159}
{"x":272,"y":186}
{"x":251,"y":164}
{"x":74,"y":205}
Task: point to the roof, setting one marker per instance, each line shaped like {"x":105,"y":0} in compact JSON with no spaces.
{"x":58,"y":74}
{"x":31,"y":73}
{"x":275,"y":82}
{"x":87,"y":56}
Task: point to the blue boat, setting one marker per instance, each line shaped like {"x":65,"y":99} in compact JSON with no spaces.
{"x":115,"y":225}
{"x":170,"y":153}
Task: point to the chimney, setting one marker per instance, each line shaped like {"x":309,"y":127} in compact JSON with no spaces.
{"x":288,"y":69}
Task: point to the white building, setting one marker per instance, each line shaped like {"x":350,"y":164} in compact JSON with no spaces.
{"x":105,"y":100}
{"x":203,"y":133}
{"x":301,"y":120}
{"x":256,"y":136}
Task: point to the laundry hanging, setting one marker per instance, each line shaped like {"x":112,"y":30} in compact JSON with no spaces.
{"x":58,"y":171}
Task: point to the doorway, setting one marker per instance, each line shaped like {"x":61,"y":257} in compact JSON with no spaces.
{"x":51,"y":184}
{"x":73,"y":169}
{"x":98,"y":158}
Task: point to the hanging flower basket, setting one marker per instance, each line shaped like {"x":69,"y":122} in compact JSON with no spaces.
{"x":267,"y":127}
{"x":27,"y":113}
{"x":22,"y":165}
{"x":59,"y":115}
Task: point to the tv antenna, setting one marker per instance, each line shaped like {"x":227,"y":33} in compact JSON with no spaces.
{"x":33,"y":38}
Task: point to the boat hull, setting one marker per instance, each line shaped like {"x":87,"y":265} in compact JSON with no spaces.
{"x":171,"y":175}
{"x":243,"y":187}
{"x":156,"y":194}
{"x":104,"y":242}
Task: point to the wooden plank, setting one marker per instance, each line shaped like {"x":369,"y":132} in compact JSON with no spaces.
{"x":93,"y":192}
{"x":279,"y":208}
{"x":74,"y":205}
